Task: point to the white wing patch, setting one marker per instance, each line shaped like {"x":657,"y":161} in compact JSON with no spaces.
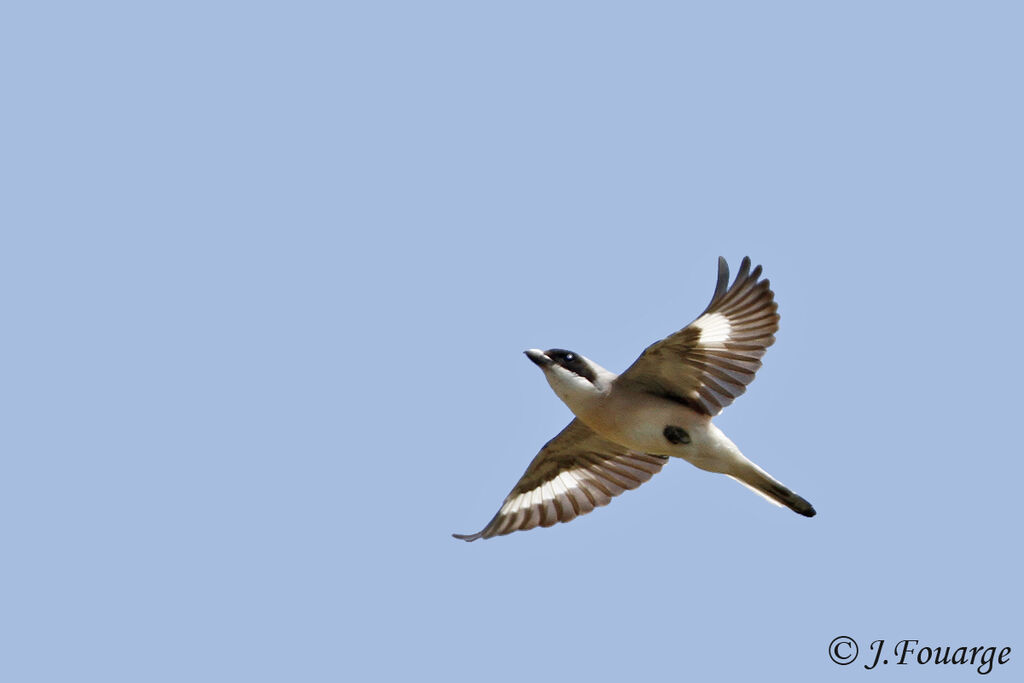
{"x":564,"y":484}
{"x":568,"y":480}
{"x":714,"y":329}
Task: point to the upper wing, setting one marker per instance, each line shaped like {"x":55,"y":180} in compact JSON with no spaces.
{"x":574,"y":473}
{"x":711,"y":361}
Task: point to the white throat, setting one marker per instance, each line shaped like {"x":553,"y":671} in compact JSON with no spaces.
{"x":577,"y":392}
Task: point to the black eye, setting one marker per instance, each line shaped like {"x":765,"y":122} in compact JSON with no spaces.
{"x":570,"y":357}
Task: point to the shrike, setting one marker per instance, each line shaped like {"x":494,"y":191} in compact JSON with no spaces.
{"x":627,"y":426}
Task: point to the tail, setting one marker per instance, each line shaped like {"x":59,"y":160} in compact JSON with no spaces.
{"x":762,"y":483}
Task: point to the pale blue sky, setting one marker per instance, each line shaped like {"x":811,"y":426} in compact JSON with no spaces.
{"x":267,"y":271}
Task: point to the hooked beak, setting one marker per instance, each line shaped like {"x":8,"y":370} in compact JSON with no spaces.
{"x":538,"y":357}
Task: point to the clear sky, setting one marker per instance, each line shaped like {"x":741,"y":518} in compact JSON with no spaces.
{"x":268,"y":269}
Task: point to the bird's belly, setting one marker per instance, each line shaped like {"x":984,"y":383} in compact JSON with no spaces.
{"x":641,"y":426}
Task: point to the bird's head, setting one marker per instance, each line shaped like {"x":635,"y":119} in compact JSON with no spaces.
{"x":571,"y":375}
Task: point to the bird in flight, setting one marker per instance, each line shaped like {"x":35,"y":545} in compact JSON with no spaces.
{"x":627,"y":426}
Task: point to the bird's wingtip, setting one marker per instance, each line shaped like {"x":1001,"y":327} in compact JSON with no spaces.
{"x":723,"y":281}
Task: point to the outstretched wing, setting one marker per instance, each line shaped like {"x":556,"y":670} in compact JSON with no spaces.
{"x":710,"y":362}
{"x":574,"y":473}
